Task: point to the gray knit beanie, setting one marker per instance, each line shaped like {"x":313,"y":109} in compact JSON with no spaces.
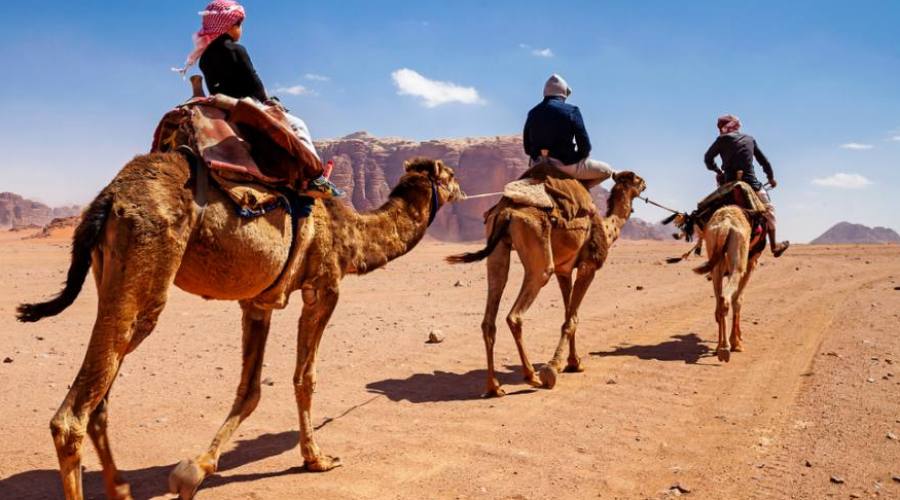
{"x":556,"y":86}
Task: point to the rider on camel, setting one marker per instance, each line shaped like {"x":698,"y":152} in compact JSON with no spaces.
{"x":555,"y":127}
{"x":737,"y":151}
{"x":228,"y":70}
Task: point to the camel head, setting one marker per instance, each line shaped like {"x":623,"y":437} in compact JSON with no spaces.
{"x":441,"y":175}
{"x":629,"y":183}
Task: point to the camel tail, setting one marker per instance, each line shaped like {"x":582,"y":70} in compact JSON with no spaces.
{"x":493,"y":240}
{"x":716,"y":253}
{"x":737,"y":259}
{"x":87,"y":236}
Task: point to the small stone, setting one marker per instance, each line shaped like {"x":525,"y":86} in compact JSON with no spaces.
{"x":870,"y":380}
{"x":891,"y":436}
{"x":639,"y":288}
{"x":807,"y":463}
{"x":458,"y":284}
{"x":268,"y":381}
{"x":7,"y":360}
{"x":896,"y":477}
{"x":435,"y":337}
{"x":837,"y":480}
{"x":680,"y":488}
{"x":854,"y":495}
{"x":897,"y":288}
{"x":611,"y":382}
{"x":39,"y":337}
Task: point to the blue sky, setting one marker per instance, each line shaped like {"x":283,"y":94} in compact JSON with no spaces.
{"x":817,"y":83}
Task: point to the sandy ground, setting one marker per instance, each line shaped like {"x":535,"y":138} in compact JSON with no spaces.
{"x":816,"y":394}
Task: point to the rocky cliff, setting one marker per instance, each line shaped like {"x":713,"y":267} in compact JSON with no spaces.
{"x":367,"y":167}
{"x":846,"y":232}
{"x":17,"y":212}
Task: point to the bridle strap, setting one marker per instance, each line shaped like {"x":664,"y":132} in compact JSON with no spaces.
{"x":434,"y":202}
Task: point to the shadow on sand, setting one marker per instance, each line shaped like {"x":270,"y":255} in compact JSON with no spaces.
{"x":689,"y":348}
{"x":446,"y":386}
{"x":153,"y":481}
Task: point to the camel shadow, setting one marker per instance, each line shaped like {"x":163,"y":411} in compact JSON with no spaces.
{"x":689,"y":348}
{"x":153,"y":481}
{"x":442,"y":386}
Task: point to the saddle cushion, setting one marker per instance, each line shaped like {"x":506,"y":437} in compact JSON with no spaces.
{"x":571,"y":199}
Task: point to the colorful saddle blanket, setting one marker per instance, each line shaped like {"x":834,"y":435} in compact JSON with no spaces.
{"x":251,"y":151}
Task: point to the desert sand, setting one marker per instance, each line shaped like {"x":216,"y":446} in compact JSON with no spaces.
{"x":813,"y":400}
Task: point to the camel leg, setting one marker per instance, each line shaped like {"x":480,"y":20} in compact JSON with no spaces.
{"x":116,"y":487}
{"x":498,"y":272}
{"x":318,"y":304}
{"x":567,"y":333}
{"x":531,"y":285}
{"x":186,"y":477}
{"x":131,"y":295}
{"x":737,"y":344}
{"x":721,"y":310}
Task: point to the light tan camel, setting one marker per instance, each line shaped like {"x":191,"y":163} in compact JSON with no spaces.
{"x":143,"y":232}
{"x":730,"y":264}
{"x":546,"y":250}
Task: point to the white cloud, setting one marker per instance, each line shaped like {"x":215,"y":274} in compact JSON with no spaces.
{"x":524,"y":46}
{"x":542,"y":52}
{"x":843,"y":181}
{"x":434,"y":93}
{"x":295,"y":90}
{"x":895,"y":138}
{"x":316,"y":77}
{"x":856,"y":146}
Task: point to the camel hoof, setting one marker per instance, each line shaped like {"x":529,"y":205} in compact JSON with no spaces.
{"x":322,"y":464}
{"x":185,"y":478}
{"x":723,"y":354}
{"x":123,"y":492}
{"x":548,"y":377}
{"x":533,"y":381}
{"x":574,"y":366}
{"x":496,"y":392}
{"x":737,"y":348}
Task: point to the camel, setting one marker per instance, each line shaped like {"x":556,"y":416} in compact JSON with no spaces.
{"x":144,"y":232}
{"x":731,"y":254}
{"x":546,"y":250}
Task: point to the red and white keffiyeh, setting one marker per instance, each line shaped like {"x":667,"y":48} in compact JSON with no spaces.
{"x":218,"y":17}
{"x":728,"y":124}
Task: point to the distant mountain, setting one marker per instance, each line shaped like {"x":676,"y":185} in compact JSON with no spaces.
{"x":845,"y":232}
{"x":367,"y":166}
{"x":18,"y":212}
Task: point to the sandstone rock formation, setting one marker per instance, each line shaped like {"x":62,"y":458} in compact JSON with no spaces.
{"x":19,"y":212}
{"x":846,"y":232}
{"x":367,"y":166}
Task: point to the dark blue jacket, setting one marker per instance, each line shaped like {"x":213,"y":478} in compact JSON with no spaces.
{"x":552,"y":125}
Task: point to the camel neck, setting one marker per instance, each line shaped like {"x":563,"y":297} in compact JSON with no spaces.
{"x":373,"y":239}
{"x":617,"y":214}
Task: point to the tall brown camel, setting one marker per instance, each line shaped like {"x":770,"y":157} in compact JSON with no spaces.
{"x":730,"y":264}
{"x":143,"y":232}
{"x":546,"y":250}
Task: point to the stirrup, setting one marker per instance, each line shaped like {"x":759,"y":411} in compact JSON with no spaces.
{"x":323,"y":188}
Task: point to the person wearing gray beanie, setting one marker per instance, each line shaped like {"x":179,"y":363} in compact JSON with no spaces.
{"x":555,"y":132}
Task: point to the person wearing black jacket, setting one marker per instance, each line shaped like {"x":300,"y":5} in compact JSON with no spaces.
{"x":556,"y":128}
{"x":737,"y":151}
{"x":228,"y":71}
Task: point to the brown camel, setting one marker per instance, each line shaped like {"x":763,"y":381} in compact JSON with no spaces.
{"x":144,"y":232}
{"x":728,"y":249}
{"x":546,"y":250}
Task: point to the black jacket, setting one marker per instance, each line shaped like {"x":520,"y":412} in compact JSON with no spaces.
{"x":227,"y":68}
{"x":737,"y":151}
{"x":552,"y":125}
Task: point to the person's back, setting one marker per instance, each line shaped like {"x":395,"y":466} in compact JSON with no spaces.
{"x":737,"y":151}
{"x":556,"y":127}
{"x":551,"y":125}
{"x":227,"y":68}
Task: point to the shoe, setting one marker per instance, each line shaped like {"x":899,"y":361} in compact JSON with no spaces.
{"x":323,"y":188}
{"x":779,"y":249}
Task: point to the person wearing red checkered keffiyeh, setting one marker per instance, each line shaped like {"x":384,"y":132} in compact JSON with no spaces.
{"x":227,"y":69}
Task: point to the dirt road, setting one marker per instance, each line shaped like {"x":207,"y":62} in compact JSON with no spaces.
{"x":819,"y":384}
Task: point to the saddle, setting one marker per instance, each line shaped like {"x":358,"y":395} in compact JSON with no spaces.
{"x":545,"y":187}
{"x":250,"y":152}
{"x":737,"y":193}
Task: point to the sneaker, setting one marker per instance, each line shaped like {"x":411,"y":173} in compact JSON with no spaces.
{"x":779,"y":249}
{"x":323,"y":188}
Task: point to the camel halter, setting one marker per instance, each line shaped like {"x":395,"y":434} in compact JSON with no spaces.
{"x":434,"y":202}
